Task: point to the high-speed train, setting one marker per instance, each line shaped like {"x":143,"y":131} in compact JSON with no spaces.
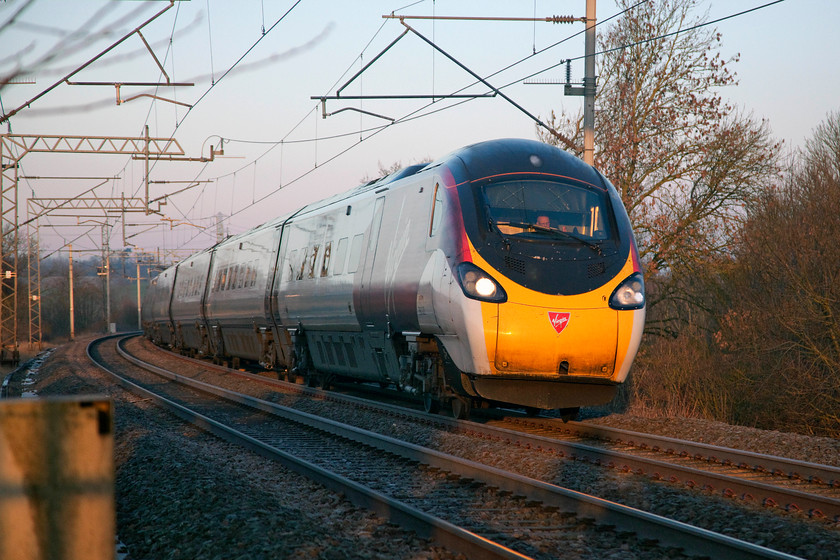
{"x":505,"y":273}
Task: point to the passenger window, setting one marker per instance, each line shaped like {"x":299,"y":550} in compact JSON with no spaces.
{"x":232,"y":278}
{"x":355,"y":253}
{"x":291,"y":263}
{"x":254,"y":274}
{"x":302,"y":264}
{"x":326,"y":264}
{"x":313,"y":260}
{"x":340,"y":256}
{"x":223,"y":284}
{"x":437,"y":210}
{"x":243,"y":276}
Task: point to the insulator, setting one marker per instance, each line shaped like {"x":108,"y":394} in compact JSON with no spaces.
{"x":562,"y":19}
{"x":568,"y":70}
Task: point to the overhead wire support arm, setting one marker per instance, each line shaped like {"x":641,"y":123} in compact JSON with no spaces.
{"x":161,"y":200}
{"x":549,"y":19}
{"x":118,"y":85}
{"x":324,"y":98}
{"x":180,"y":157}
{"x":374,"y":59}
{"x":324,"y":113}
{"x":13,"y":112}
{"x":486,"y":83}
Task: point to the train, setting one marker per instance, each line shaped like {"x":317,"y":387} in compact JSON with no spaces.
{"x":504,"y":274}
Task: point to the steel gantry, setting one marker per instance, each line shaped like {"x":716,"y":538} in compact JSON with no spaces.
{"x":13,"y":148}
{"x":37,"y":207}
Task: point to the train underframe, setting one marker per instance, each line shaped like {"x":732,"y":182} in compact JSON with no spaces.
{"x":419,"y":365}
{"x":414,"y":363}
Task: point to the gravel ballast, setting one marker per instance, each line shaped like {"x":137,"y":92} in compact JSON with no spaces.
{"x":182,"y":493}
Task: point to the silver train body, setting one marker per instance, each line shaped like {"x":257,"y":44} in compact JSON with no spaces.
{"x":437,"y":279}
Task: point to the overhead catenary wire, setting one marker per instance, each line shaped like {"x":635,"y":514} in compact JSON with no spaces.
{"x":210,"y":40}
{"x":216,"y":82}
{"x":419,"y":113}
{"x":414,"y":114}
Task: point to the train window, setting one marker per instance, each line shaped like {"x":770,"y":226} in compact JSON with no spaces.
{"x":302,"y":264}
{"x":327,"y":254}
{"x":253,"y":275}
{"x":547,"y":210}
{"x":231,"y":278}
{"x":312,"y":260}
{"x":242,"y":274}
{"x":340,"y":256}
{"x":437,"y":210}
{"x":355,"y":253}
{"x":291,"y":262}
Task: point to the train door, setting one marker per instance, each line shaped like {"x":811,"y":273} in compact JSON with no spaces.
{"x":435,"y":218}
{"x":367,"y":296}
{"x":280,"y":337}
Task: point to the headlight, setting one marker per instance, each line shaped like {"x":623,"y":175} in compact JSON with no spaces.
{"x":630,"y":294}
{"x":479,"y":285}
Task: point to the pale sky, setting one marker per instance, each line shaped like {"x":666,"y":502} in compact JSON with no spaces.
{"x":787,"y":70}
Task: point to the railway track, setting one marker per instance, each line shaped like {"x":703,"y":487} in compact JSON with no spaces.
{"x":774,"y":482}
{"x":467,"y":506}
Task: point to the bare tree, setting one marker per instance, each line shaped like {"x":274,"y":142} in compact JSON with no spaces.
{"x":782,"y":332}
{"x":684,"y":161}
{"x":396,"y":166}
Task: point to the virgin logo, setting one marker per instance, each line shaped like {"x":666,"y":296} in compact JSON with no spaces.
{"x":558,"y":320}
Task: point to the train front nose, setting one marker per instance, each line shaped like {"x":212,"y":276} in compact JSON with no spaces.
{"x":555,"y":342}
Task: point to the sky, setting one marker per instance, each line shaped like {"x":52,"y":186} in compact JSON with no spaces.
{"x":257,"y":64}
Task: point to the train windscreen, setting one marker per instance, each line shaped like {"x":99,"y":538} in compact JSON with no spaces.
{"x":548,"y":210}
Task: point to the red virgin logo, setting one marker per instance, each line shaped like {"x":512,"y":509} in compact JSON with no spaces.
{"x":558,"y":320}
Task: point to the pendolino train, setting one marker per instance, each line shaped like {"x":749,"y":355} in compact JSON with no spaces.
{"x":503,"y":273}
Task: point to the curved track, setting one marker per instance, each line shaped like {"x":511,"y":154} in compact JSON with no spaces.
{"x":414,"y":485}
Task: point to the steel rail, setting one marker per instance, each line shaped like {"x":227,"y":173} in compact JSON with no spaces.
{"x":814,"y":504}
{"x":792,"y":468}
{"x":646,"y":525}
{"x":726,"y":485}
{"x":395,"y":511}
